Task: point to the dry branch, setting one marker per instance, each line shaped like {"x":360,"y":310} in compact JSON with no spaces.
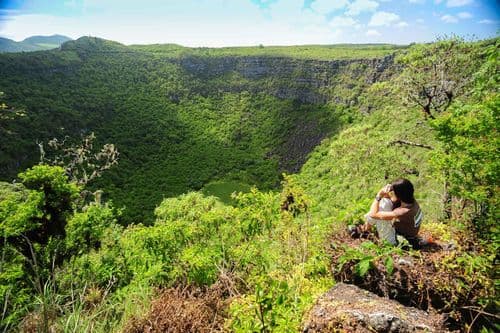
{"x":410,"y":143}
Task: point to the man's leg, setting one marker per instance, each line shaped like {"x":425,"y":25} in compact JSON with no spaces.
{"x":385,"y":229}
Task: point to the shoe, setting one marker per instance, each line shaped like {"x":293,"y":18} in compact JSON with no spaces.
{"x":353,"y":231}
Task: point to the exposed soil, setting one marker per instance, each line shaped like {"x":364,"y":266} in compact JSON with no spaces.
{"x":419,"y":279}
{"x":185,"y":310}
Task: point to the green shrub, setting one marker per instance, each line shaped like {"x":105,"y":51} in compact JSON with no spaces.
{"x":469,"y":155}
{"x":84,"y":230}
{"x":367,"y":255}
{"x":20,"y":211}
{"x":33,"y":217}
{"x":15,"y":290}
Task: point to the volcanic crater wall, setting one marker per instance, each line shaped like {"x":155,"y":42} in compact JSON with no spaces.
{"x":303,"y":80}
{"x":317,"y":82}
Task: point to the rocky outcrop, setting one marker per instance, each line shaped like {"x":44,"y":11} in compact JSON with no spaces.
{"x":347,"y":307}
{"x":303,"y":80}
{"x":315,"y":72}
{"x":302,"y":139}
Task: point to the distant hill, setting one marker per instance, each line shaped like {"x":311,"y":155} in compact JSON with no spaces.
{"x":33,"y":43}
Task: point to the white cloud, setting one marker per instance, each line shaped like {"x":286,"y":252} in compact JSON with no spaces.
{"x":383,"y":19}
{"x":19,"y":27}
{"x":421,"y":21}
{"x":373,"y":33}
{"x":464,"y":15}
{"x":402,"y":24}
{"x":327,"y":6}
{"x":449,"y":19}
{"x":416,"y":1}
{"x":437,"y":2}
{"x":487,"y":21}
{"x":342,"y":21}
{"x":359,"y":6}
{"x":458,"y":3}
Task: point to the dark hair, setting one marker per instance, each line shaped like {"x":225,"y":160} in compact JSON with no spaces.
{"x":403,"y":189}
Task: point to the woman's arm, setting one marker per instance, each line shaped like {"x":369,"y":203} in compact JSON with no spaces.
{"x":374,"y":209}
{"x":382,"y":215}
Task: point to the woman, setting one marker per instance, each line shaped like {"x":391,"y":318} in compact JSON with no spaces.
{"x":403,"y":217}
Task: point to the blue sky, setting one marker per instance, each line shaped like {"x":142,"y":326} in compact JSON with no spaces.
{"x":251,"y":22}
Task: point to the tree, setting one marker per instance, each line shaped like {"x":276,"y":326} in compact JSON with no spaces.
{"x":59,"y":200}
{"x":32,"y":229}
{"x":40,"y":227}
{"x":7,"y":114}
{"x":434,"y":75}
{"x":470,"y":148}
{"x":81,"y":162}
{"x":38,"y":213}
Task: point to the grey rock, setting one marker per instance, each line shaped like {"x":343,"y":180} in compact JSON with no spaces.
{"x":353,"y":309}
{"x":407,"y":261}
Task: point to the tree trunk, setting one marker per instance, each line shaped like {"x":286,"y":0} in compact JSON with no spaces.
{"x":427,"y":111}
{"x":447,"y":206}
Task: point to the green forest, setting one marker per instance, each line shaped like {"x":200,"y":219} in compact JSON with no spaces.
{"x":209,"y":189}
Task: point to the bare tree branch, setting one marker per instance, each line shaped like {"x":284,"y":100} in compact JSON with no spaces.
{"x":409,"y":143}
{"x":434,"y":76}
{"x":82,"y":163}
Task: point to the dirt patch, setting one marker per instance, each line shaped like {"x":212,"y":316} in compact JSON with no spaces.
{"x":430,"y":279}
{"x":188,"y":309}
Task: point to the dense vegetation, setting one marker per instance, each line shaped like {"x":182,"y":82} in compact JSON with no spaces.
{"x":71,"y":262}
{"x":317,"y":52}
{"x":179,"y":121}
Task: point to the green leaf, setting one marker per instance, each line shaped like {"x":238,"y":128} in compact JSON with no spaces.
{"x":389,"y":265}
{"x":363,"y":266}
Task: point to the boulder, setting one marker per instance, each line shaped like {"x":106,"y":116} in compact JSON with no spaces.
{"x":349,"y":308}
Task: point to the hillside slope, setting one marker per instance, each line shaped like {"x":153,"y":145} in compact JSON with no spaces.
{"x":182,"y":119}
